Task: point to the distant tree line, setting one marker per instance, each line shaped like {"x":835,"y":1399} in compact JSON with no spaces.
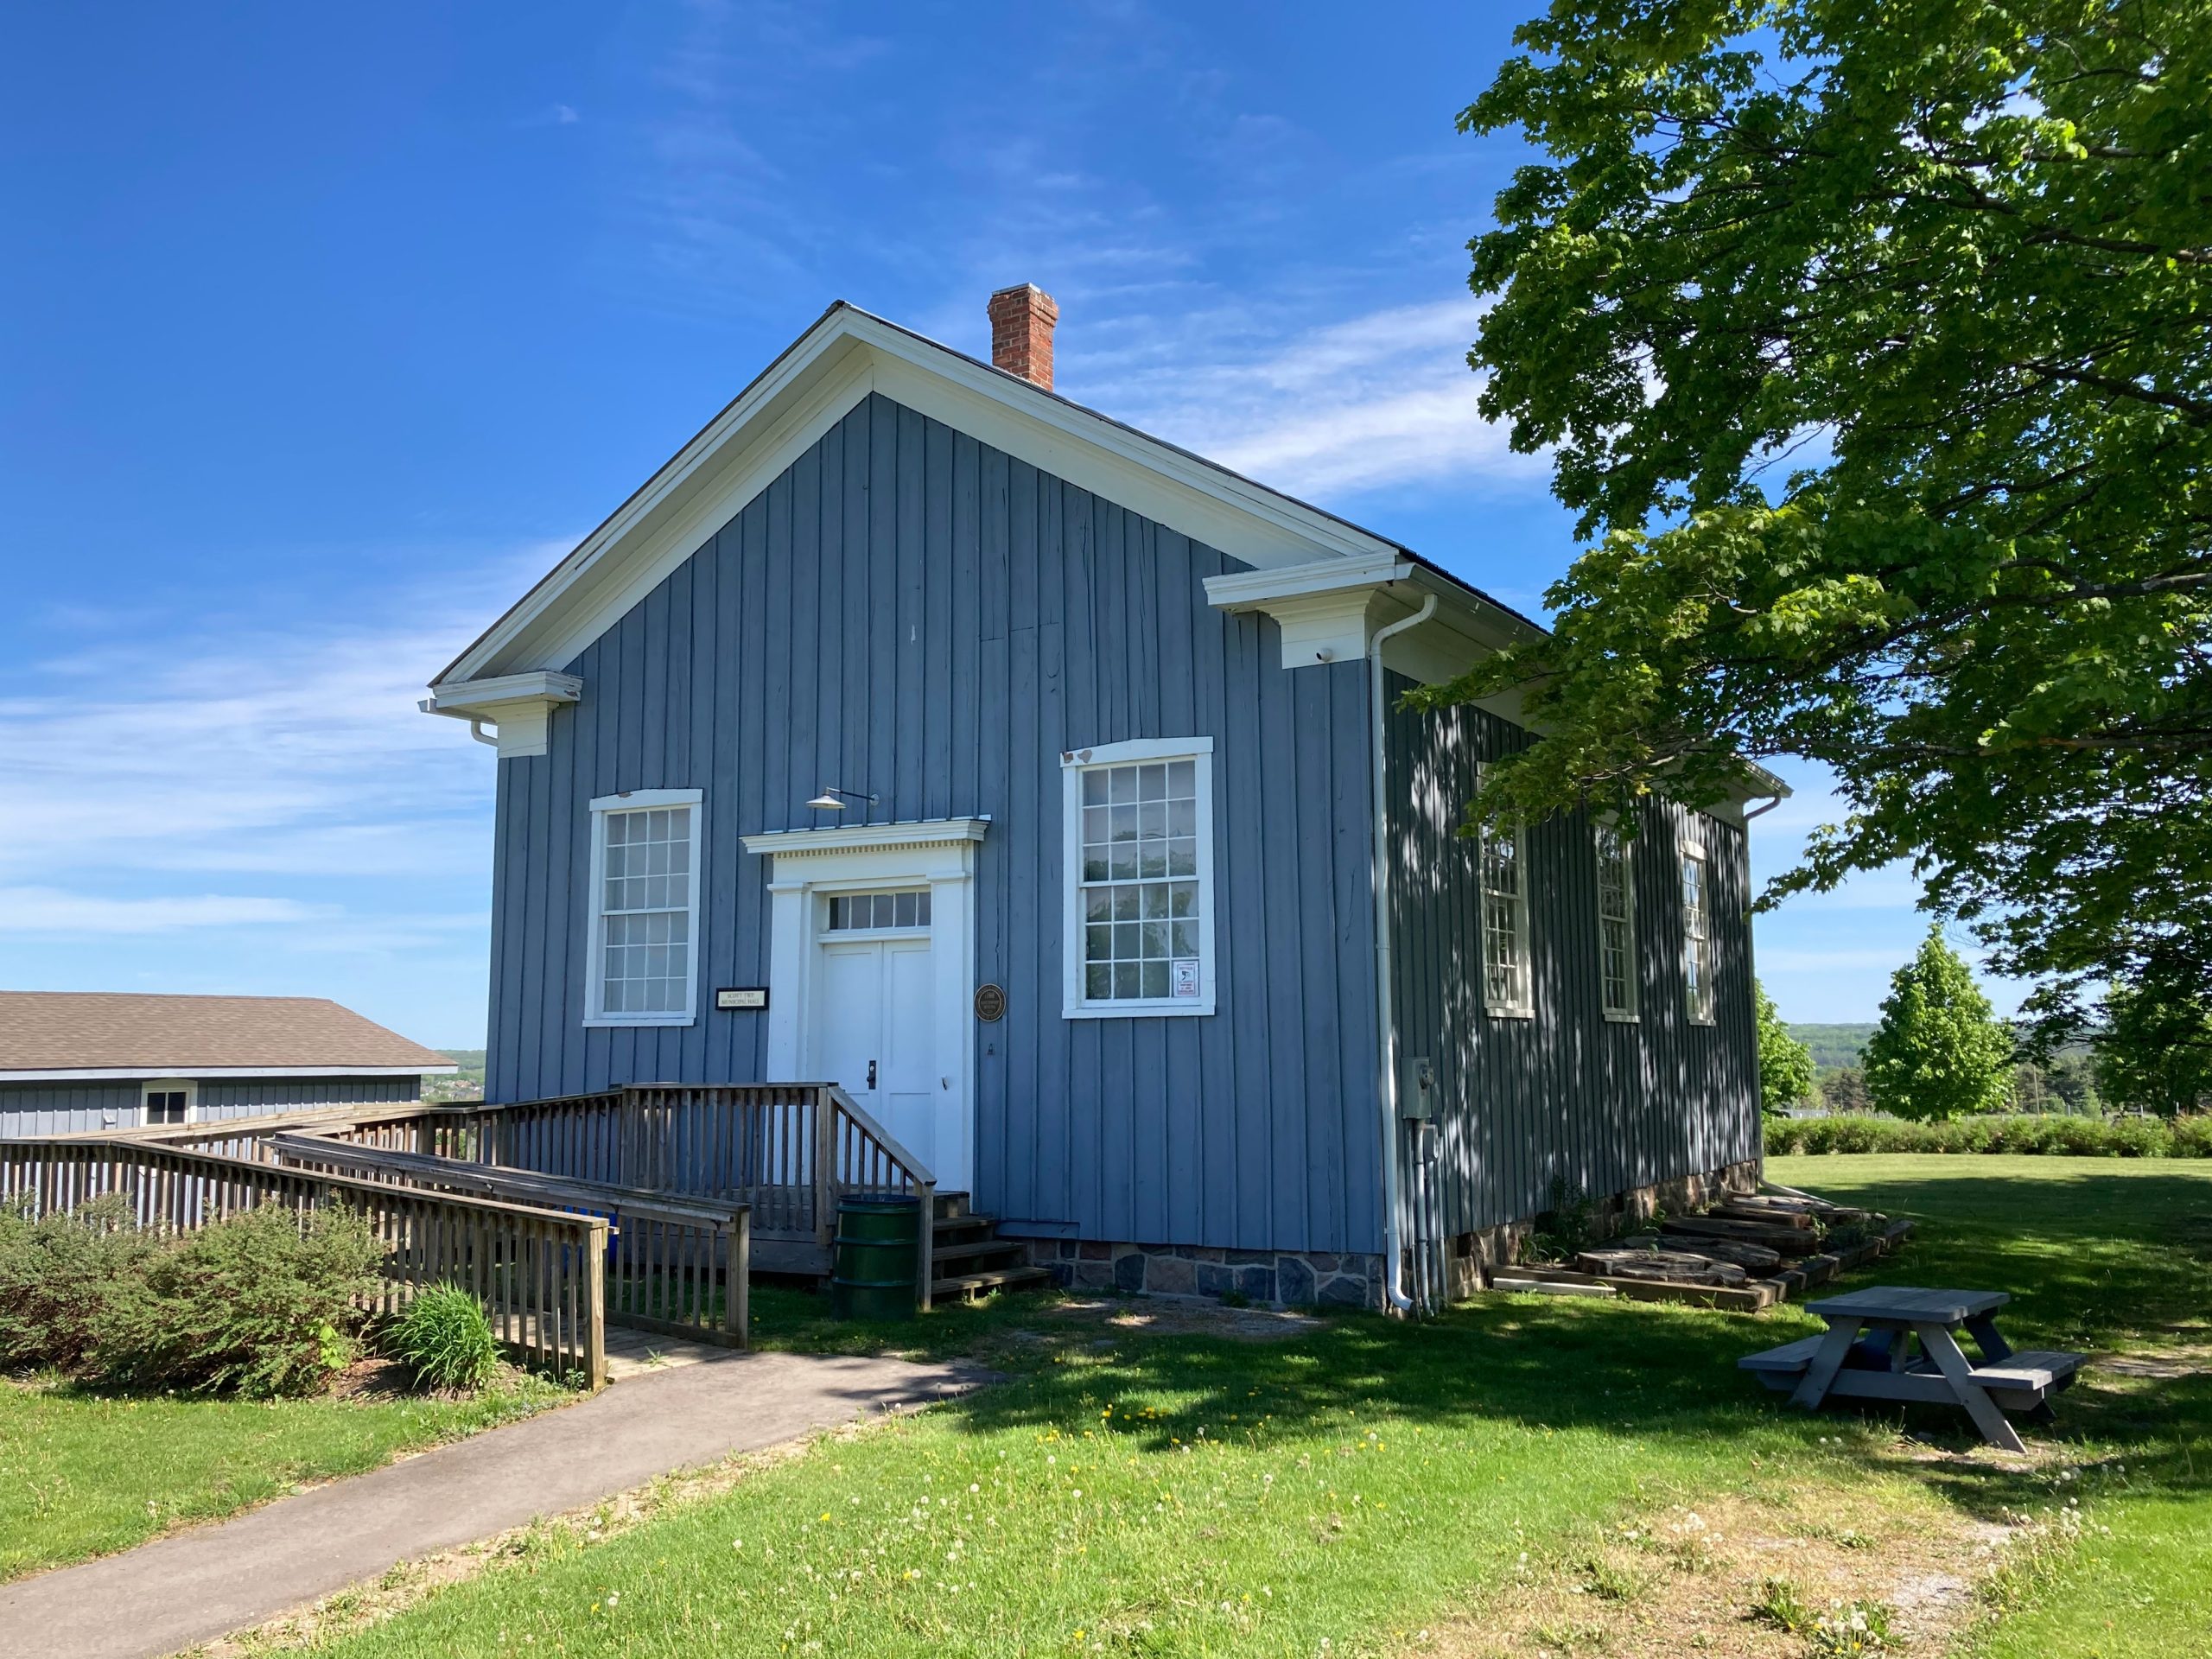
{"x":1939,"y":1053}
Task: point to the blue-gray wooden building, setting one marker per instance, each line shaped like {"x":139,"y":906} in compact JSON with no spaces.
{"x":1047,"y":786}
{"x":75,"y":1062}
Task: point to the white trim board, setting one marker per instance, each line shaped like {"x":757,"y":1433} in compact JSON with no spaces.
{"x":129,"y":1073}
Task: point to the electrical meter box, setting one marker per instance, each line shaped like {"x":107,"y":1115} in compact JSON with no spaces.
{"x":1417,"y":1091}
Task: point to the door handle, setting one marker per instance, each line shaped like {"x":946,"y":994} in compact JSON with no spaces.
{"x":871,"y":1077}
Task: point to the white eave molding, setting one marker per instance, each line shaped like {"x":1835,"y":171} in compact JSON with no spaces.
{"x":1329,"y":611}
{"x":843,"y":838}
{"x":520,"y":707}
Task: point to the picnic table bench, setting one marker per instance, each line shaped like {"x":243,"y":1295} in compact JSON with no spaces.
{"x":1868,"y":1353}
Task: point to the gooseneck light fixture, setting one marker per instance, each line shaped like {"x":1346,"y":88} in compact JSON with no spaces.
{"x":829,"y":800}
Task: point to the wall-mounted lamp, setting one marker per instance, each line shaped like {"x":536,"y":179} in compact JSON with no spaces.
{"x":829,"y":801}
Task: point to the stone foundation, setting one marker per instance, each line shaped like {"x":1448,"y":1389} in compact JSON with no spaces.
{"x":1265,"y":1278}
{"x":1319,"y":1278}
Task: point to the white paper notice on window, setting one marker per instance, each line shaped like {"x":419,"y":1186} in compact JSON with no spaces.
{"x":1186,"y":981}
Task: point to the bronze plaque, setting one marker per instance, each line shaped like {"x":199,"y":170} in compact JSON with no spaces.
{"x":990,"y":1003}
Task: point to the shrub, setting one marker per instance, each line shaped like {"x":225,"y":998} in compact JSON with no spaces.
{"x":261,"y":1303}
{"x":58,"y":1276}
{"x":446,"y":1339}
{"x":2060,"y":1135}
{"x":2192,"y":1136}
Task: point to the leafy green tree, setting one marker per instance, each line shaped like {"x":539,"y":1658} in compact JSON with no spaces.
{"x":2154,"y":1052}
{"x":1872,"y":344}
{"x":1785,"y":1064}
{"x":2073,"y":1080}
{"x":1939,"y":1052}
{"x":1843,"y":1090}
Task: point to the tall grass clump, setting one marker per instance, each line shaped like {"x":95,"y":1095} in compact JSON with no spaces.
{"x":445,"y":1338}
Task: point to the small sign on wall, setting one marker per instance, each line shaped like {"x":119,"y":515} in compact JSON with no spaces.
{"x":742,"y":996}
{"x":1184,"y":980}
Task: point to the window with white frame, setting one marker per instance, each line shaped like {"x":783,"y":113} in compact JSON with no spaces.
{"x":169,"y":1101}
{"x":1508,"y":984}
{"x":1139,"y":839}
{"x":1617,"y":975}
{"x":1697,"y":935}
{"x":907,"y":909}
{"x":644,"y":966}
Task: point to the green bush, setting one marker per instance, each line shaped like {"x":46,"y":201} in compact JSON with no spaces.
{"x":2058,"y":1134}
{"x":57,"y":1278}
{"x":259,"y":1303}
{"x":444,"y":1338}
{"x":2192,"y":1136}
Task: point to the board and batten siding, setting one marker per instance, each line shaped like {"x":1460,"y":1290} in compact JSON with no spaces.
{"x":1566,"y":1104}
{"x":911,"y":614}
{"x":31,"y":1109}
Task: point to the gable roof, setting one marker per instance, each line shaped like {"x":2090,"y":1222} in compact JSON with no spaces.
{"x":60,"y":1034}
{"x":847,"y":354}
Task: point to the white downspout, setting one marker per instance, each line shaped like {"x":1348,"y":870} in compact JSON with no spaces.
{"x":1394,"y":1286}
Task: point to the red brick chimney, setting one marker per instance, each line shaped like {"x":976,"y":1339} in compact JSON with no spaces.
{"x":1021,"y":333}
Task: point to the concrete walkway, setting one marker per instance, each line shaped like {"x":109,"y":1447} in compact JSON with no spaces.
{"x":204,"y":1583}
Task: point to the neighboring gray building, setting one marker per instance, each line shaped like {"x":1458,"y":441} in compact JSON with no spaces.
{"x":1109,"y":734}
{"x":73,"y":1061}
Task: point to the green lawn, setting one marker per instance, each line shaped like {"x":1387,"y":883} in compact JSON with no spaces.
{"x":1195,"y":1495}
{"x":83,"y":1474}
{"x":2106,"y":1254}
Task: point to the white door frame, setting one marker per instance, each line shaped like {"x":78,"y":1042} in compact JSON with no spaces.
{"x":806,"y":864}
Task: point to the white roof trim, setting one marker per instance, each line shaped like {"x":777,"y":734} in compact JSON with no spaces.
{"x":483,"y":698}
{"x":830,"y":370}
{"x":846,"y":837}
{"x":200,"y":1073}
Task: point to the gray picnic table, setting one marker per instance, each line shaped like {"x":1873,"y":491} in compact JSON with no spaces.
{"x":1868,"y":1352}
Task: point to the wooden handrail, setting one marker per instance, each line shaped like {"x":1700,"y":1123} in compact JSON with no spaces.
{"x":918,"y":1175}
{"x":689,"y":1243}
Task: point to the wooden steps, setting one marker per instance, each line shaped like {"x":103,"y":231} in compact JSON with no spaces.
{"x":969,"y":1260}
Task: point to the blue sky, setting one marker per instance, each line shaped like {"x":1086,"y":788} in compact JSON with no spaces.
{"x":324,"y":331}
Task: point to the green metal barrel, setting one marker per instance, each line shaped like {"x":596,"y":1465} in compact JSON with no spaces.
{"x":878,"y":1241}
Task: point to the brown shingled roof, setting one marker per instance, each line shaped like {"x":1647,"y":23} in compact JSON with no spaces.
{"x":74,"y":1031}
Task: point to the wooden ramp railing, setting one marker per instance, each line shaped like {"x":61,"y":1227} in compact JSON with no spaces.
{"x":675,"y":1265}
{"x":540,"y":1273}
{"x":786,"y":1151}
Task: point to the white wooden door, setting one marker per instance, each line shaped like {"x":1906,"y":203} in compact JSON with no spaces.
{"x":874,"y":1033}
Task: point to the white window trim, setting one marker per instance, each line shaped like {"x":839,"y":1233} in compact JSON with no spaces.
{"x":595,"y":898}
{"x":1632,"y":1014}
{"x":1526,"y":1010}
{"x":1695,"y":849}
{"x":1073,"y":763}
{"x":169,"y":1085}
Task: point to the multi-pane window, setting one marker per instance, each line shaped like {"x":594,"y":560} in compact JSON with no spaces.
{"x":1617,"y":975}
{"x":1508,"y":986}
{"x":167,"y":1105}
{"x":642,"y":956}
{"x":1697,"y":935}
{"x":851,"y":912}
{"x":1140,"y":912}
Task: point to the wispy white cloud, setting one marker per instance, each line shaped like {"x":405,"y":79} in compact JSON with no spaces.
{"x":1380,"y":401}
{"x":261,"y":756}
{"x":50,"y":911}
